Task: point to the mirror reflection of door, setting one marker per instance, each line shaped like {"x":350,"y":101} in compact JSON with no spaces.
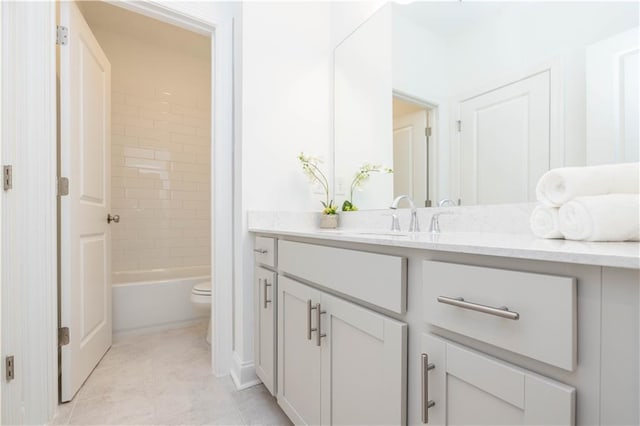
{"x":411,"y":130}
{"x":504,"y":141}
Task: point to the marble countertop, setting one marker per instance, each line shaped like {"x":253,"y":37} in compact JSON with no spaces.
{"x":523,"y":246}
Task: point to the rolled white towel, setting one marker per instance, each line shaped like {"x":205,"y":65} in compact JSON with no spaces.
{"x":558,"y":186}
{"x":544,"y":222}
{"x":612,"y":217}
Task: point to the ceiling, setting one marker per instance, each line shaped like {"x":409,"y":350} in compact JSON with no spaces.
{"x":116,"y":19}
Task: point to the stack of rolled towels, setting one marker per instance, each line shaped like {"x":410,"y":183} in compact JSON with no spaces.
{"x":597,"y":203}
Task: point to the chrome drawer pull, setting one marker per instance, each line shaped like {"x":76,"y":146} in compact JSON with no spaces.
{"x":502,"y":312}
{"x":261,"y":251}
{"x":309,"y":329}
{"x":319,"y":334}
{"x":426,"y":402}
{"x":266,"y":284}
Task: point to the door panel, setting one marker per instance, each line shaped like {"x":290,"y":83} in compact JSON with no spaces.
{"x":85,"y":242}
{"x":469,"y":387}
{"x":265,"y":296}
{"x":363,"y":366}
{"x":298,"y":357}
{"x":504,"y":142}
{"x":613,"y":135}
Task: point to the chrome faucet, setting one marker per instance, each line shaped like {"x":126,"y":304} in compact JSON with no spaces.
{"x":414,"y":226}
{"x":434,"y":226}
{"x":446,"y":202}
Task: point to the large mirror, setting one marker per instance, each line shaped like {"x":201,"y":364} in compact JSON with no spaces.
{"x":471,"y":102}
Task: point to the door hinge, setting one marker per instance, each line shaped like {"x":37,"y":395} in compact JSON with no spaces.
{"x":427,"y":132}
{"x":459,"y":125}
{"x":63,"y":186}
{"x":62,"y":35}
{"x":7,"y":177}
{"x":63,"y":336}
{"x":9,"y":367}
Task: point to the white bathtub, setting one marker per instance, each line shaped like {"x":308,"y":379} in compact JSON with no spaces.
{"x":153,"y":300}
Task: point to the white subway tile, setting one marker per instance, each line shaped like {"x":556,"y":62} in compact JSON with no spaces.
{"x":162,"y":116}
{"x":196,"y":177}
{"x":144,"y":133}
{"x":189,"y":111}
{"x":144,"y":163}
{"x":196,"y":204}
{"x":123,"y":140}
{"x":189,"y":167}
{"x":124,"y":203}
{"x":138,"y":153}
{"x":147,"y":194}
{"x":190,"y":139}
{"x":123,"y":171}
{"x":189,"y":195}
{"x":160,"y":204}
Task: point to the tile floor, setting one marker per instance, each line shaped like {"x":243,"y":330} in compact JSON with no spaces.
{"x":165,"y":379}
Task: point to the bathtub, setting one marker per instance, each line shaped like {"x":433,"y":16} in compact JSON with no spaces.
{"x":153,"y":300}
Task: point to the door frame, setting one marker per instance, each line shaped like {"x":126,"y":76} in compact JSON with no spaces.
{"x":31,"y":143}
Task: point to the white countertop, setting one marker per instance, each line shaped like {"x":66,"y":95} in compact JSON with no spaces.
{"x":522,"y":246}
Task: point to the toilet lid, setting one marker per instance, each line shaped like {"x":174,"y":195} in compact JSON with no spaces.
{"x":203,"y":287}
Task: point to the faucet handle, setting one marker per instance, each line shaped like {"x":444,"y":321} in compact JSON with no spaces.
{"x":395,"y":223}
{"x":434,"y":226}
{"x":414,"y":226}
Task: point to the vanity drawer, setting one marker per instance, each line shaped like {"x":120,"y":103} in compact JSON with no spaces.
{"x":265,"y":251}
{"x":540,"y":322}
{"x":377,"y":279}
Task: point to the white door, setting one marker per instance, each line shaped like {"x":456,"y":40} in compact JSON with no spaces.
{"x":298,"y":355}
{"x":613,"y":135}
{"x":468,"y":387}
{"x":364,"y":365}
{"x":265,"y":327}
{"x":504,"y":142}
{"x":410,"y":156}
{"x":85,"y":245}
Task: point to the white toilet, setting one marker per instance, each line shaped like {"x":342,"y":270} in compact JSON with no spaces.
{"x":201,"y":299}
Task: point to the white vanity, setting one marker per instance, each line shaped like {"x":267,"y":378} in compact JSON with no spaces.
{"x":356,"y":327}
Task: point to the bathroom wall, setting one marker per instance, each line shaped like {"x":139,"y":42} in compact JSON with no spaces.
{"x":161,"y":171}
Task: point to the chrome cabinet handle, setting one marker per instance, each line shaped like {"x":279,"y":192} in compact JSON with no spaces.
{"x":426,"y":402}
{"x":319,"y":334}
{"x":502,"y":311}
{"x":115,"y":218}
{"x":309,"y":329}
{"x":261,"y":250}
{"x":266,"y":284}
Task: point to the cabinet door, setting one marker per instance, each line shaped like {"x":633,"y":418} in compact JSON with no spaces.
{"x":468,"y":387}
{"x":363,"y":365}
{"x":265,"y":327}
{"x":298,"y":356}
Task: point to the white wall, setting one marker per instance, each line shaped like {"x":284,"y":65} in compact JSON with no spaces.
{"x":286,"y":104}
{"x":161,"y":151}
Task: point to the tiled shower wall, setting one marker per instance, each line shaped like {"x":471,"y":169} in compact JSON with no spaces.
{"x":160,"y":153}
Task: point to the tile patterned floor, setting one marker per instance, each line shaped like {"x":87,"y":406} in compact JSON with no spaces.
{"x":165,"y":379}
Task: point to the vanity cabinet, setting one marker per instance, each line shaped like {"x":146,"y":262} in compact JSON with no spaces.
{"x":461,"y":386}
{"x":338,"y":362}
{"x":264,"y":296}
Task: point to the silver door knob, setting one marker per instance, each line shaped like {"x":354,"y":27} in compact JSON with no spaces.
{"x":115,"y":218}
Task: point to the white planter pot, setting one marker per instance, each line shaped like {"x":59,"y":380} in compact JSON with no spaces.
{"x":328,"y":221}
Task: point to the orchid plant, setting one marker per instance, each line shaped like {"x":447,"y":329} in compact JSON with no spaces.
{"x":360,"y":178}
{"x":313,"y":172}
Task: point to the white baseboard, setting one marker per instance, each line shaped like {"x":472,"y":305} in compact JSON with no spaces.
{"x":243,"y":373}
{"x":117,"y":335}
